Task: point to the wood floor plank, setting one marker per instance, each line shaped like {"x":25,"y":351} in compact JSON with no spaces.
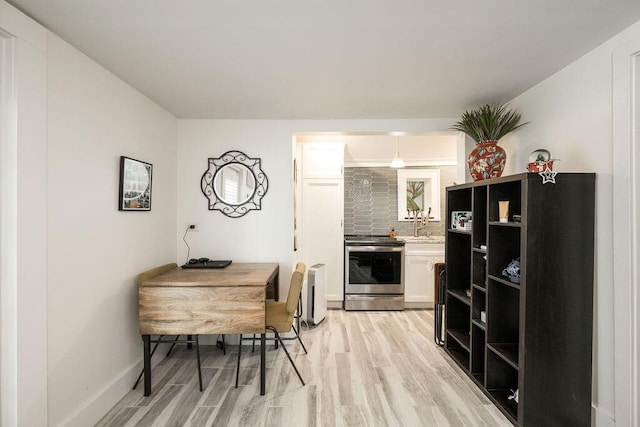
{"x":119,"y":418}
{"x":201,"y":417}
{"x":160,"y":406}
{"x":362,"y":368}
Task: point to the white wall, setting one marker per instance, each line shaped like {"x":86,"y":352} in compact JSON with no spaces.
{"x":571,"y":115}
{"x":94,"y":251}
{"x":265,"y":235}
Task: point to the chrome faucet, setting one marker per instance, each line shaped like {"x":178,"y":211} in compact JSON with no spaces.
{"x":420,"y":222}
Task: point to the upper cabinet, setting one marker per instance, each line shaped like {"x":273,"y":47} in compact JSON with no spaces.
{"x":322,"y":160}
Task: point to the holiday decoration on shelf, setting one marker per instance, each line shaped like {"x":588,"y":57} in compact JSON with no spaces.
{"x":548,"y":176}
{"x":541,"y":162}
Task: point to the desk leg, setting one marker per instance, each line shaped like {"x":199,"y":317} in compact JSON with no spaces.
{"x":147,"y":364}
{"x":263,"y":345}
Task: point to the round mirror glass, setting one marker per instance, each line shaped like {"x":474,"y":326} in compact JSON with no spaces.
{"x":234,"y":184}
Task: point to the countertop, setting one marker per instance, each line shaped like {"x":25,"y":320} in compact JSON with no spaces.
{"x":422,"y":239}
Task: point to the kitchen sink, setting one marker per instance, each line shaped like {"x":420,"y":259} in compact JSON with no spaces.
{"x":422,"y":239}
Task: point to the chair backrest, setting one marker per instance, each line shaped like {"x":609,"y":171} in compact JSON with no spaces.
{"x":150,"y":274}
{"x":295,"y":287}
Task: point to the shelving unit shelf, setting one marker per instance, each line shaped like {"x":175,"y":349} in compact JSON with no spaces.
{"x":534,"y":336}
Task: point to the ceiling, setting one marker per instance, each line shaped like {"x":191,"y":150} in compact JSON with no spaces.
{"x":332,"y":59}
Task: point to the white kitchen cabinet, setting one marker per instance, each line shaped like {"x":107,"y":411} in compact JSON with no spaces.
{"x":419,"y":280}
{"x":322,"y":160}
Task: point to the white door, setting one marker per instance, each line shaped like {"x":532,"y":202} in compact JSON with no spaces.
{"x":322,"y":236}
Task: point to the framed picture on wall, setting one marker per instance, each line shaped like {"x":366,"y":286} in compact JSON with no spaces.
{"x":135,"y":185}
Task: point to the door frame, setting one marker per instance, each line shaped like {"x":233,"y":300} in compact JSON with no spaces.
{"x":8,"y":234}
{"x":626,"y":250}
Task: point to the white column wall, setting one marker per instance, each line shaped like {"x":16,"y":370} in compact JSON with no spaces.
{"x":94,"y":251}
{"x":571,"y":116}
{"x":23,"y":375}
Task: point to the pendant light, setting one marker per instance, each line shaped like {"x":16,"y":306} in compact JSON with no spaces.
{"x":397,"y":161}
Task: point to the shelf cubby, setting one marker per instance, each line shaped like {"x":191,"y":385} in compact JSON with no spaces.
{"x":510,"y":191}
{"x":462,"y":337}
{"x":458,"y":271}
{"x":506,"y":240}
{"x":458,"y":200}
{"x":460,"y":295}
{"x":479,"y":216}
{"x":478,"y":303}
{"x":478,"y":342}
{"x":458,"y":317}
{"x":458,"y":353}
{"x":502,"y":381}
{"x":507,"y":351}
{"x":479,"y":275}
{"x":503,"y":313}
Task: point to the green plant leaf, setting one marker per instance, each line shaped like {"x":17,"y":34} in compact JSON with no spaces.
{"x":488,"y":122}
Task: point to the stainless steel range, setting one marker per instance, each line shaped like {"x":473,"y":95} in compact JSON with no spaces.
{"x":373,"y":273}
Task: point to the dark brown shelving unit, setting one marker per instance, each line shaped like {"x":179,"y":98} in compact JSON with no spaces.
{"x":537,"y":337}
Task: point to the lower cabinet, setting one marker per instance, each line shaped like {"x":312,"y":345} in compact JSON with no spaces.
{"x":419,"y":273}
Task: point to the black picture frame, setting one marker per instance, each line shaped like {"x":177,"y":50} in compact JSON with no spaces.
{"x":135,"y":185}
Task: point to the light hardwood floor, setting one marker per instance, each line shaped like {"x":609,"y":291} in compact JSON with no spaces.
{"x":363,"y":369}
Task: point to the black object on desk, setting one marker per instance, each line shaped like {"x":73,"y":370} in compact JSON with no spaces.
{"x":209,"y":263}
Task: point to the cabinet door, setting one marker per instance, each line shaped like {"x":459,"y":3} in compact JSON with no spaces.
{"x":419,"y":279}
{"x":322,"y":160}
{"x":322,"y":236}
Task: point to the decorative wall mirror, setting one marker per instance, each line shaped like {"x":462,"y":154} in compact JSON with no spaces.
{"x":418,"y":189}
{"x":234,"y":184}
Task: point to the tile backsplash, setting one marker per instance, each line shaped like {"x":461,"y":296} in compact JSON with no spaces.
{"x":371,"y":201}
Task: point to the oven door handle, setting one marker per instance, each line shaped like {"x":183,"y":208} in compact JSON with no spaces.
{"x":374,"y":248}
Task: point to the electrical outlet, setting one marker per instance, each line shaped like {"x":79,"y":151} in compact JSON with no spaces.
{"x":192,"y":226}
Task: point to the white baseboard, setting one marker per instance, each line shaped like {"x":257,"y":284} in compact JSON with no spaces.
{"x":334,"y":304}
{"x":97,"y":406}
{"x":601,"y":418}
{"x":418,"y":304}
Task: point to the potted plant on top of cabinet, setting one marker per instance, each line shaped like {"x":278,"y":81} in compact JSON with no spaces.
{"x":486,"y":124}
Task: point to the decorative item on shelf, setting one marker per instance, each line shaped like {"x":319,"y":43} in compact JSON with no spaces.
{"x":503,"y":210}
{"x":513,"y":270}
{"x":517,"y":218}
{"x":483,"y":316}
{"x":460,"y":220}
{"x":513,"y":396}
{"x":487,"y":124}
{"x":548,"y":176}
{"x":392,"y":233}
{"x":541,"y":162}
{"x":468,"y":293}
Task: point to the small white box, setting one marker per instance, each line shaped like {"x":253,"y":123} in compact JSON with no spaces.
{"x":483,"y":317}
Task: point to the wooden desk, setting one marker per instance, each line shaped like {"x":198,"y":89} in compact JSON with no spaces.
{"x":206,"y":301}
